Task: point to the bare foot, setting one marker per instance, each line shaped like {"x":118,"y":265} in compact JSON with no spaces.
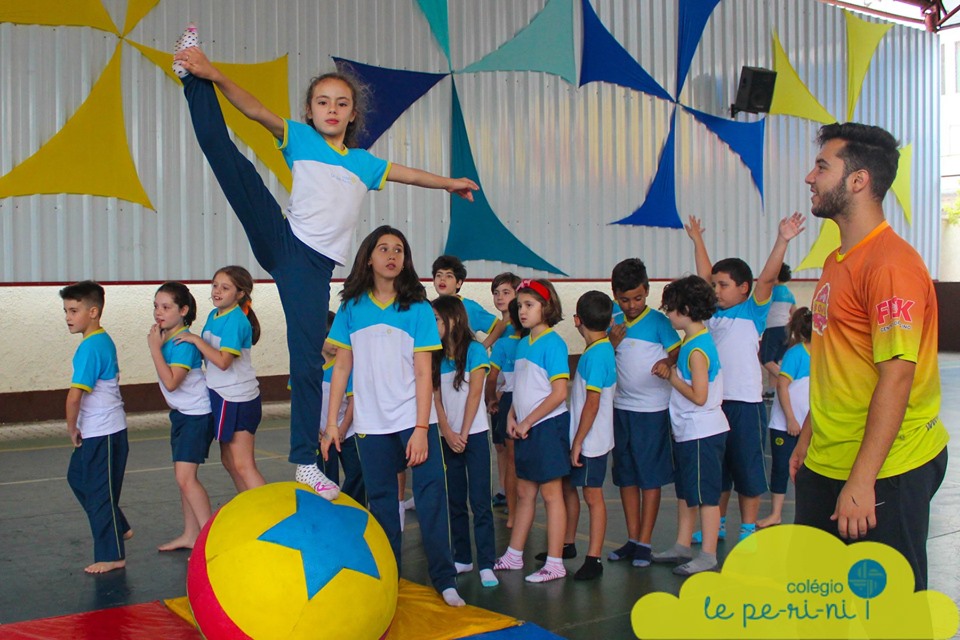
{"x":769,"y":521}
{"x":183,"y":542}
{"x":128,"y":534}
{"x":103,"y":567}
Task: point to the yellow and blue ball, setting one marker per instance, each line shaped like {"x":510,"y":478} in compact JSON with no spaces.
{"x":279,"y":561}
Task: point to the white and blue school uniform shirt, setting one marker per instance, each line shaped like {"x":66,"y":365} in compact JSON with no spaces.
{"x":503,"y":357}
{"x":325,"y":391}
{"x":231,"y":332}
{"x":383,"y":340}
{"x":479,"y":318}
{"x":596,"y":371}
{"x":780,"y":302}
{"x":795,"y":366}
{"x":539,"y":361}
{"x":647,"y":340}
{"x":455,"y":400}
{"x":736,"y":332}
{"x":691,"y":421}
{"x":96,"y":371}
{"x":191,"y":397}
{"x":328,"y":188}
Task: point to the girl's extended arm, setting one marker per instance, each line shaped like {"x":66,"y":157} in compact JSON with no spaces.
{"x":473,"y":404}
{"x":463,"y":187}
{"x":558,"y":395}
{"x":338,"y":386}
{"x":196,"y":62}
{"x":699,"y":376}
{"x":222,"y":359}
{"x":423,"y":374}
{"x":783,"y":395}
{"x":170,"y":377}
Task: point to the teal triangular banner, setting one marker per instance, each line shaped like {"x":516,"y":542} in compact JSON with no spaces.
{"x":476,"y":232}
{"x":435,"y":11}
{"x":545,"y":44}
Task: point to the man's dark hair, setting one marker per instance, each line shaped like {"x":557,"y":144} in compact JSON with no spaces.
{"x":868,"y":148}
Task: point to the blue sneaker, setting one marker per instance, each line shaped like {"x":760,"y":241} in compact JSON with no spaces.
{"x":722,"y":535}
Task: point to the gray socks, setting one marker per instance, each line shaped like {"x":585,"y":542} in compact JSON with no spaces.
{"x":703,"y":562}
{"x":676,"y":553}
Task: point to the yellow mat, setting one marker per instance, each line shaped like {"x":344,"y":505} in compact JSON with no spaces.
{"x":421,"y":615}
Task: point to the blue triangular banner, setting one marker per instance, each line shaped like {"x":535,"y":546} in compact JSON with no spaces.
{"x":746,"y":139}
{"x":392,"y":92}
{"x":545,"y":44}
{"x":659,"y":209}
{"x":605,"y":60}
{"x":435,"y":11}
{"x":476,"y":232}
{"x":693,"y":18}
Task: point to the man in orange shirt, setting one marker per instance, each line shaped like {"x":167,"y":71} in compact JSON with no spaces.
{"x":872,"y":451}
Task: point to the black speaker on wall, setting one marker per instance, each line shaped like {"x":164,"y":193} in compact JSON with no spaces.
{"x":755,"y":91}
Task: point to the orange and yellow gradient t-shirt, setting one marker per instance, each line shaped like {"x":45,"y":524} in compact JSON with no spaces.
{"x":872,"y":304}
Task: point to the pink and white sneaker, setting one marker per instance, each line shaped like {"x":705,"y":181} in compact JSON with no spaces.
{"x":310,"y":475}
{"x":508,"y":562}
{"x":187,"y":39}
{"x":547,"y":573}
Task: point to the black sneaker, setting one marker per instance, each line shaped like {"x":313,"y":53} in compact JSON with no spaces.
{"x":625,"y":552}
{"x":592,"y":568}
{"x":499,"y":500}
{"x":569,"y":551}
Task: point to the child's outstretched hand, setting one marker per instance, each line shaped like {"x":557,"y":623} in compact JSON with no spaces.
{"x":195,"y":61}
{"x":792,"y":226}
{"x":694,"y":228}
{"x":155,"y":337}
{"x":463,"y":187}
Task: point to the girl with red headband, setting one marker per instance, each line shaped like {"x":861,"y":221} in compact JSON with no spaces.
{"x":230,"y":331}
{"x":539,"y":421}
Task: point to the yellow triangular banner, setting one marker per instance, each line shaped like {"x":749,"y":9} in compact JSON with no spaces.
{"x":55,"y":13}
{"x":827,"y":241}
{"x":89,"y":155}
{"x":863,"y":38}
{"x":902,"y":186}
{"x":136,"y":10}
{"x":268,"y":82}
{"x":791,"y":97}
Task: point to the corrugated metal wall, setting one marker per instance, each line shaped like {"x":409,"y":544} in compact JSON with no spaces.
{"x":558,"y":163}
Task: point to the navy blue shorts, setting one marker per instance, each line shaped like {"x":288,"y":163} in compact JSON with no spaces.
{"x":230,"y":417}
{"x":699,"y":466}
{"x":744,"y":468}
{"x":642,"y":444}
{"x":190,"y":437}
{"x":498,"y":430}
{"x":773,"y":344}
{"x":544,"y":454}
{"x":591,"y":474}
{"x":782,"y":445}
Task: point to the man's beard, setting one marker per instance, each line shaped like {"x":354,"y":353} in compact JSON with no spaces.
{"x":833,"y":203}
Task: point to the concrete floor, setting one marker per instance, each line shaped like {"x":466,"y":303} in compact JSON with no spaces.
{"x":46,"y":540}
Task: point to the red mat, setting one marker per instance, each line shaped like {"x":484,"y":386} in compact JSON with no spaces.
{"x":140,"y":621}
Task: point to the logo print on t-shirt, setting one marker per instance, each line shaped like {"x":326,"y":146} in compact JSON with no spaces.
{"x":896,"y":310}
{"x":821,"y":302}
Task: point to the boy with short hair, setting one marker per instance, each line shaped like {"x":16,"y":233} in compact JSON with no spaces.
{"x":591,"y":426}
{"x":97,"y":426}
{"x":448,"y":276}
{"x":642,"y":459}
{"x":736,"y":328}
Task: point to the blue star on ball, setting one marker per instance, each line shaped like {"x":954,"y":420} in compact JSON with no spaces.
{"x":329,"y":537}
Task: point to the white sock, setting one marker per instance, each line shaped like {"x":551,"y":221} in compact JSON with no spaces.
{"x":488,"y":578}
{"x":452,"y":598}
{"x":463,"y":568}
